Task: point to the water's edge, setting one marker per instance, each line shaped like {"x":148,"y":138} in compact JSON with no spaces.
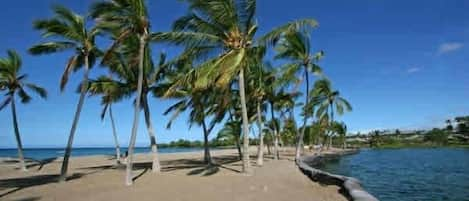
{"x":351,"y":185}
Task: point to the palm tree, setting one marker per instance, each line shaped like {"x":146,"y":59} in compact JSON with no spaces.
{"x":224,"y":31}
{"x":129,"y":18}
{"x":126,"y":84}
{"x":13,"y":83}
{"x":273,"y":95}
{"x":327,"y":99}
{"x":296,"y":47}
{"x":108,"y":97}
{"x":68,"y":31}
{"x":341,"y":130}
{"x":231,"y":131}
{"x":202,"y":104}
{"x":260,"y":75}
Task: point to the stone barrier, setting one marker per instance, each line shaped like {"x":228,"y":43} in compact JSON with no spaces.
{"x":350,"y":185}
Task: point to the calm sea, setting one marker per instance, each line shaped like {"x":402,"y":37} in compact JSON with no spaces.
{"x":409,"y":174}
{"x":44,"y":153}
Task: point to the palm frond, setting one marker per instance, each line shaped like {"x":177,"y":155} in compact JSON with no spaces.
{"x":72,"y":63}
{"x":188,"y":39}
{"x":51,"y":47}
{"x":25,"y":98}
{"x":37,"y":89}
{"x":5,"y":102}
{"x":273,"y":36}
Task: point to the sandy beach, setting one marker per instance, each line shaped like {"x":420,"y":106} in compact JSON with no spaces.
{"x":183,"y":177}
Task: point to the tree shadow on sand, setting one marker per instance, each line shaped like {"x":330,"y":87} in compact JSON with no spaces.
{"x":20,"y":183}
{"x":196,"y":166}
{"x":31,"y":162}
{"x":25,"y":182}
{"x":28,"y":199}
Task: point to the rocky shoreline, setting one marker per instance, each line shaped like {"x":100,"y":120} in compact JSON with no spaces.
{"x":351,"y":187}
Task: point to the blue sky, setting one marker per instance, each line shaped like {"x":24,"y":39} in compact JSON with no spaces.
{"x":402,"y":64}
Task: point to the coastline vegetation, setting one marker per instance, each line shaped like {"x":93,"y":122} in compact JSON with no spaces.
{"x":456,"y":135}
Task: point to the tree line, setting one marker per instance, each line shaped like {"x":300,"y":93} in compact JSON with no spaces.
{"x":442,"y":136}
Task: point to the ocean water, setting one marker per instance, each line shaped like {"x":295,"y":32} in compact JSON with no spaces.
{"x":408,"y":174}
{"x":45,"y":153}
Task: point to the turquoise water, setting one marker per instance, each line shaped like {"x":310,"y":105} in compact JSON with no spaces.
{"x":409,"y":174}
{"x":45,"y":153}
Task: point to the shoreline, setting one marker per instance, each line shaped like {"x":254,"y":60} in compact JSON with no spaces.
{"x":97,"y":178}
{"x":195,"y":150}
{"x":350,"y":185}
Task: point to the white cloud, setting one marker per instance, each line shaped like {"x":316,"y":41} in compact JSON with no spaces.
{"x":449,"y":47}
{"x":413,"y":70}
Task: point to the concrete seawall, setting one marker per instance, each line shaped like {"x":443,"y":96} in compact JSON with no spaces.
{"x":349,"y":185}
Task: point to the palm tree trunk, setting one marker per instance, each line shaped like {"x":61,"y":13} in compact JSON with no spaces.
{"x":276,"y":149}
{"x":344,"y":143}
{"x":299,"y":144}
{"x":151,"y":132}
{"x":81,"y":101}
{"x":260,"y":151}
{"x":207,"y":156}
{"x":238,"y":146}
{"x":17,"y":135}
{"x":331,"y":105}
{"x":128,"y":175}
{"x":246,"y":166}
{"x":114,"y":133}
{"x":268,"y":148}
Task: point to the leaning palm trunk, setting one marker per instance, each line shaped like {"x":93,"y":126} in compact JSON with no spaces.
{"x":17,"y":134}
{"x":246,"y":168}
{"x":276,"y":148}
{"x":151,"y":132}
{"x":299,"y":144}
{"x":128,"y":177}
{"x":260,"y":151}
{"x":114,"y":133}
{"x":207,"y":156}
{"x":238,"y":146}
{"x":81,"y":101}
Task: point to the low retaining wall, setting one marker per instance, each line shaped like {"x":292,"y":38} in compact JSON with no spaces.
{"x":350,"y":185}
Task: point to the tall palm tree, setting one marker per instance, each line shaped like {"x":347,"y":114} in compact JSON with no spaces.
{"x":201,"y":103}
{"x":68,"y":31}
{"x":13,"y":83}
{"x":296,"y":47}
{"x":108,"y":97}
{"x":327,"y":99}
{"x":224,"y":31}
{"x":261,"y":74}
{"x":273,"y":95}
{"x":126,"y":83}
{"x":129,"y":18}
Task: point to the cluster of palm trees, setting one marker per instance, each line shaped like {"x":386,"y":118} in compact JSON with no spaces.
{"x":221,"y":68}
